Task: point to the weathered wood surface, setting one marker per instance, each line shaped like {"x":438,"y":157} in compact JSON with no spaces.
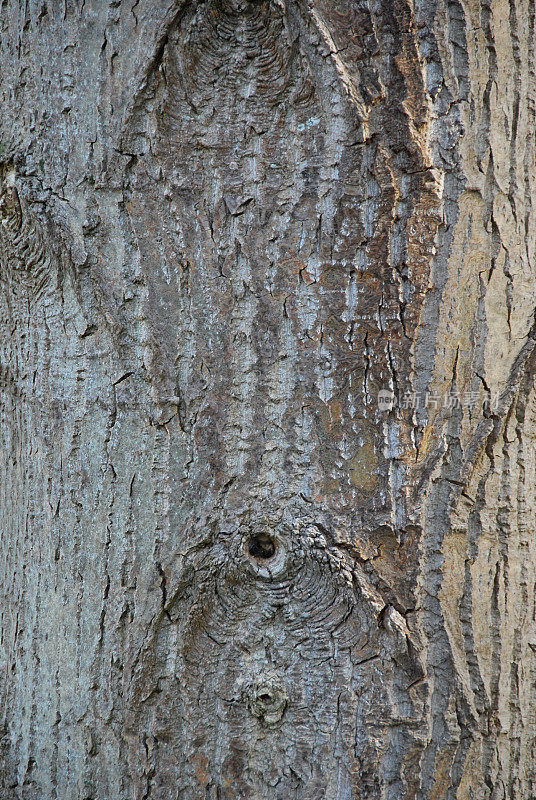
{"x":226,"y":571}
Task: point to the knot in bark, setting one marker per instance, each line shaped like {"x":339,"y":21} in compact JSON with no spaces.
{"x":267,"y":699}
{"x":267,"y":554}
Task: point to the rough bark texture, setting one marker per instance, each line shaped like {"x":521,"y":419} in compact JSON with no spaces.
{"x":227,"y":572}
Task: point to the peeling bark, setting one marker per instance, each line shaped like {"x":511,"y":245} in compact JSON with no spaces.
{"x":229,"y":571}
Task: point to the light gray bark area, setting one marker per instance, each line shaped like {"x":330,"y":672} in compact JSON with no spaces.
{"x":224,"y":227}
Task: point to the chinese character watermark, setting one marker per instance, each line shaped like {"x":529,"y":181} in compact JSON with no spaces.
{"x":435,"y":401}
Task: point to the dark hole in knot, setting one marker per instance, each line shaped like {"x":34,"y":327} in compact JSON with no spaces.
{"x":265,"y":698}
{"x":261,"y":546}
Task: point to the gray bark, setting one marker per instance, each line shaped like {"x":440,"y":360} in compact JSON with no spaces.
{"x":227,"y":571}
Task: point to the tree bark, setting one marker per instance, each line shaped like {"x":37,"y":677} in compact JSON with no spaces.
{"x":268,"y":422}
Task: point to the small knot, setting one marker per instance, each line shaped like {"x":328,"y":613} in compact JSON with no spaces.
{"x":267,"y":700}
{"x":261,"y":547}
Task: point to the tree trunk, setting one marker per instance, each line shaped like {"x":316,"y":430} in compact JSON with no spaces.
{"x":268,"y":458}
